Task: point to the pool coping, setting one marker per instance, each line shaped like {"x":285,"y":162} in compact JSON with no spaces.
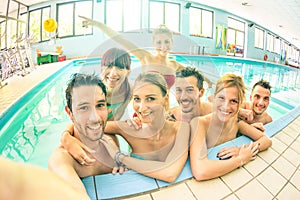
{"x":131,"y":183}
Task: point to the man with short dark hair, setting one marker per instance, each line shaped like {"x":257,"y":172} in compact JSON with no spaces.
{"x":189,"y":90}
{"x":254,"y":112}
{"x":86,"y":107}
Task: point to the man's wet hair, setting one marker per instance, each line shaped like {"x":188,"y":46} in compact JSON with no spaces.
{"x":191,"y":71}
{"x":79,"y":79}
{"x":263,"y":83}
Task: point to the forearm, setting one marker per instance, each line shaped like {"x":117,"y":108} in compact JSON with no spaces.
{"x":205,"y":169}
{"x":264,"y":143}
{"x":166,"y":171}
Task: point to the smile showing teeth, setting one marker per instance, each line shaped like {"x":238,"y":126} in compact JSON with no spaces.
{"x":185,"y":102}
{"x":145,"y":114}
{"x":94,"y":127}
{"x":225,"y":113}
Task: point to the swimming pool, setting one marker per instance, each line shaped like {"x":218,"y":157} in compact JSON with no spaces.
{"x":31,"y":129}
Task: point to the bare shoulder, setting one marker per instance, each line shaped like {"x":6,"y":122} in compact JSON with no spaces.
{"x":176,"y":65}
{"x":268,"y":118}
{"x":206,"y":108}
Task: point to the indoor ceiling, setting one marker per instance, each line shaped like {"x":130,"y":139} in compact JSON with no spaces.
{"x":282,"y":17}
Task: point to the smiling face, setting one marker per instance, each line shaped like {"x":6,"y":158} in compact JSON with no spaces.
{"x":113,"y":76}
{"x":226,"y":103}
{"x":260,"y":99}
{"x":148,"y":102}
{"x":89,"y":111}
{"x":163,"y":43}
{"x":187,"y":93}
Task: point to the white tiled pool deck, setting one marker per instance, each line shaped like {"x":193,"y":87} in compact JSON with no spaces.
{"x":274,"y":174}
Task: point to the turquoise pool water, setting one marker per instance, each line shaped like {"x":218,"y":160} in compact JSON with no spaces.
{"x":31,"y":129}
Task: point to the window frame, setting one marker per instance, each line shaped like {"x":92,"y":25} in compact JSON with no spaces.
{"x":123,"y":28}
{"x":262,"y":34}
{"x":73,"y":18}
{"x":40,"y":39}
{"x":164,"y":15}
{"x":201,"y":23}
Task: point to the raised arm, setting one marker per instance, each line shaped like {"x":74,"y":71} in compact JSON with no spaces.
{"x":202,"y":167}
{"x":116,"y":36}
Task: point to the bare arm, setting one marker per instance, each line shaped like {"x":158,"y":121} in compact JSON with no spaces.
{"x":167,"y":170}
{"x":258,"y":136}
{"x":116,"y":36}
{"x":75,"y":147}
{"x":23,"y":181}
{"x":202,"y":167}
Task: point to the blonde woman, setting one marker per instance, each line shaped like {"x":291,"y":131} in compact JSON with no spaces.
{"x":221,"y":126}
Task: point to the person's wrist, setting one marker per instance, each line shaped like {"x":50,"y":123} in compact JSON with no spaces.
{"x":119,"y":157}
{"x":241,"y":161}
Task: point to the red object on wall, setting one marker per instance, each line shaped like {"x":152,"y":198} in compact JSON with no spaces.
{"x":61,"y":58}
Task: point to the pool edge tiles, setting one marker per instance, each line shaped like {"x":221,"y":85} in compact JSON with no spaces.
{"x":108,"y":187}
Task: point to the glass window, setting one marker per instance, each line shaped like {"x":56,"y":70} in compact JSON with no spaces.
{"x":123,"y":15}
{"x":35,"y":24}
{"x":235,"y":37}
{"x":164,"y":13}
{"x":69,"y":24}
{"x":270,"y":42}
{"x":83,"y":8}
{"x":157,"y":18}
{"x":23,"y":16}
{"x":277,"y":45}
{"x":132,"y":15}
{"x":2,"y":31}
{"x":172,"y":11}
{"x":201,"y":22}
{"x":236,"y":24}
{"x":259,"y":38}
{"x":114,"y":15}
{"x":45,"y":15}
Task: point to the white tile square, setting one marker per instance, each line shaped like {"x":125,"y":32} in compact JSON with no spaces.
{"x":142,"y":197}
{"x":237,"y":178}
{"x":289,"y":192}
{"x":284,"y":167}
{"x":283,"y":137}
{"x":176,"y":192}
{"x":292,"y":156}
{"x":295,"y":180}
{"x":272,"y":180}
{"x":292,"y":131}
{"x":231,"y":197}
{"x":256,"y":166}
{"x":254,"y":190}
{"x":269,"y":155}
{"x":278,"y":146}
{"x":210,"y":189}
{"x":296,"y":146}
